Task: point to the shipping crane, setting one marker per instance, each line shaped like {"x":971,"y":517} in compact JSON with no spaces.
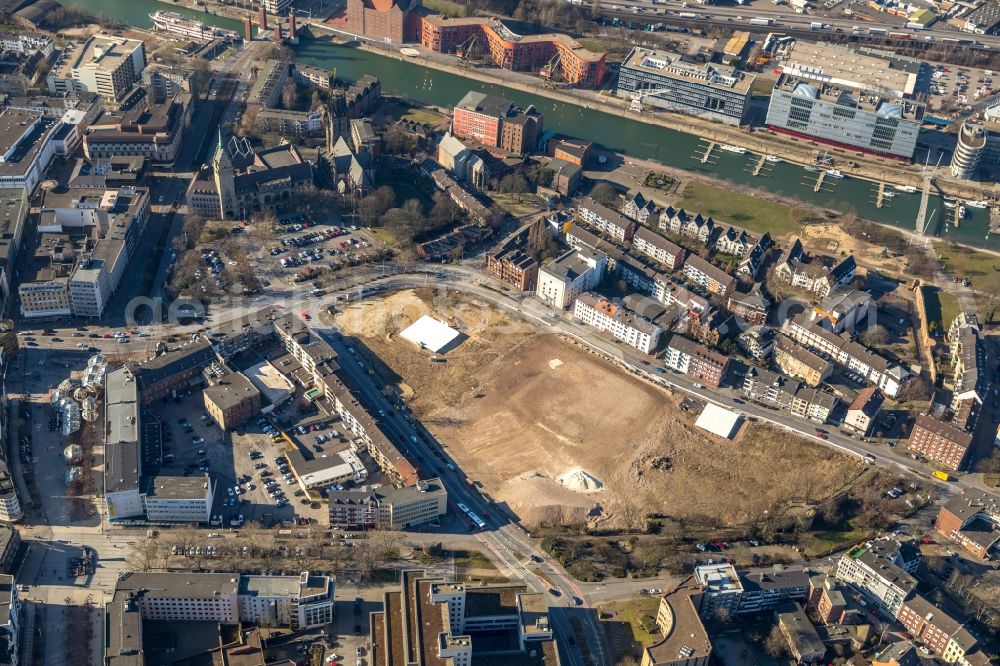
{"x":467,"y":49}
{"x":550,"y":68}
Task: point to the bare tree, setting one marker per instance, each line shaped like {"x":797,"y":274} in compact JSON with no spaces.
{"x":143,"y":556}
{"x":775,"y":644}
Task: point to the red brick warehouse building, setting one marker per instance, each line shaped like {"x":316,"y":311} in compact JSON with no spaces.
{"x":394,"y":21}
{"x":506,"y":49}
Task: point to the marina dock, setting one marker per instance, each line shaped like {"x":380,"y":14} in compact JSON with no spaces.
{"x":880,"y":199}
{"x":820,"y":177}
{"x":761,"y":161}
{"x":708,"y":152}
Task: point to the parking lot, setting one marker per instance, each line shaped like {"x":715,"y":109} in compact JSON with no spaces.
{"x":955,"y":88}
{"x":304,"y":244}
{"x":194,"y":444}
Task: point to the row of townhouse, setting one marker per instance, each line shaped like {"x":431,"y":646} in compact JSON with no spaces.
{"x":729,"y":240}
{"x":609,"y":222}
{"x":814,"y":275}
{"x":618,"y":321}
{"x":709,"y":276}
{"x":842,"y":350}
{"x":689,"y":358}
{"x":771,"y":388}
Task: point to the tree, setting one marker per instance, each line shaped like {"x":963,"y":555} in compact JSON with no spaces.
{"x":775,"y":644}
{"x":194,"y":224}
{"x":545,"y":177}
{"x":144,"y":554}
{"x":513,"y":183}
{"x":875,"y":336}
{"x":445,"y":211}
{"x":263,"y":227}
{"x":605,"y":194}
{"x":289,"y":94}
{"x":315,"y":101}
{"x":398,"y":142}
{"x":376,"y":204}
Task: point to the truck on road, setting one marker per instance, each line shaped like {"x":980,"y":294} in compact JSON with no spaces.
{"x":938,"y":474}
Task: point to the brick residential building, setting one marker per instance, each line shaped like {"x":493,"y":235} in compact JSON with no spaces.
{"x":696,"y":361}
{"x":973,"y":521}
{"x":509,"y":263}
{"x":942,"y":634}
{"x":752,"y":306}
{"x":496,"y":122}
{"x":941,"y":442}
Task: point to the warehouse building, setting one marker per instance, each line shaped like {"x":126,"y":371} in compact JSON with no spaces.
{"x":848,"y":99}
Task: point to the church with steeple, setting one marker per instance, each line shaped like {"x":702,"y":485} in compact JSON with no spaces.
{"x":240,"y":181}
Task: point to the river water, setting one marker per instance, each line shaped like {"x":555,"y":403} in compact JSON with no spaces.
{"x":630,"y":137}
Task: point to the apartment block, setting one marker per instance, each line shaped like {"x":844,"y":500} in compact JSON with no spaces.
{"x":801,"y":637}
{"x":608,"y":222}
{"x":509,"y":263}
{"x":843,"y":310}
{"x":972,"y":520}
{"x":864,"y":411}
{"x":618,"y":321}
{"x":678,"y":221}
{"x":757,"y":341}
{"x":696,"y":361}
{"x":945,"y":636}
{"x":572,"y":273}
{"x":771,"y":388}
{"x":388,"y":507}
{"x":944,"y":443}
{"x":721,"y":589}
{"x":769,"y":589}
{"x":103,"y":64}
{"x":666,"y":253}
{"x":881,"y":570}
{"x":707,"y":275}
{"x":639,"y":208}
{"x":752,"y":306}
{"x":682,"y":639}
{"x":842,"y":350}
{"x":796,"y":361}
{"x":819,"y":276}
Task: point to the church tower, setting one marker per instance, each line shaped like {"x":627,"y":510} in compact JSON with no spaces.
{"x":225,"y":180}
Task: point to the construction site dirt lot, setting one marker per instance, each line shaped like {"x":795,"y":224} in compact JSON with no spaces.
{"x":558,"y":433}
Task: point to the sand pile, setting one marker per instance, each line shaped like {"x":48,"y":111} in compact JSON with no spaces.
{"x":581,"y":482}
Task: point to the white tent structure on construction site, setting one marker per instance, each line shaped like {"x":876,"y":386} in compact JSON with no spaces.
{"x":429,"y":333}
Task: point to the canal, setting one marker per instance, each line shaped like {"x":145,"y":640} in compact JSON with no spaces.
{"x":630,"y":137}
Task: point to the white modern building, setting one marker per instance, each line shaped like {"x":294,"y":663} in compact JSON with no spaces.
{"x":848,"y":99}
{"x":179,"y":499}
{"x":297,"y":602}
{"x":969,"y":150}
{"x":618,"y":321}
{"x":103,"y":64}
{"x":882,"y":570}
{"x":570,"y":274}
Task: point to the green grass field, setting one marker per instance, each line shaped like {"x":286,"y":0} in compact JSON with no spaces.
{"x":446,"y":7}
{"x":739,"y":209}
{"x":425,"y":116}
{"x":640,"y":614}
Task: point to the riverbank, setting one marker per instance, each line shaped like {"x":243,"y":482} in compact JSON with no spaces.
{"x":760,"y":141}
